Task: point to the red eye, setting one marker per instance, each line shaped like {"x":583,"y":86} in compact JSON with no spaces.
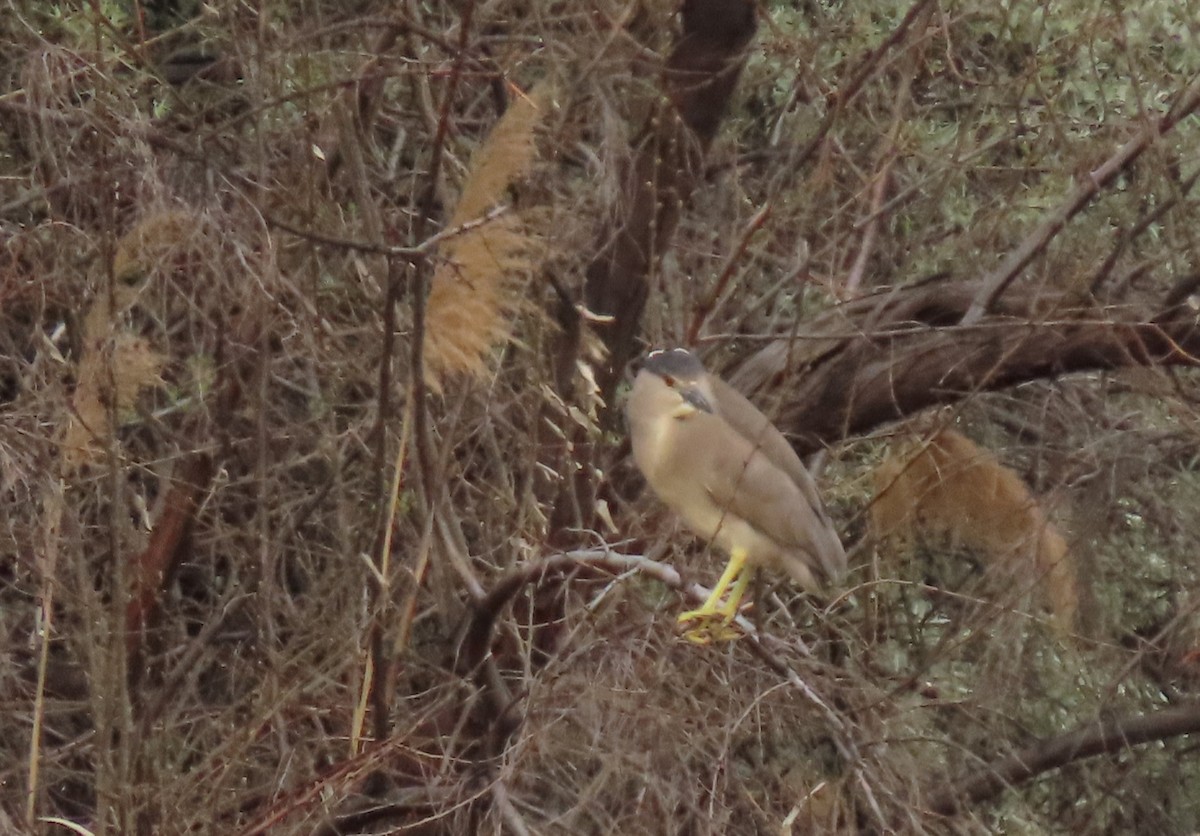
{"x":667,"y":379}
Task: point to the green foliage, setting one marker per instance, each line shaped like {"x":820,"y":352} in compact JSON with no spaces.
{"x":1010,"y":104}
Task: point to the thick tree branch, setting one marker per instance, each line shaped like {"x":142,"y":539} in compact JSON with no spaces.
{"x":698,"y":82}
{"x":700,"y":77}
{"x":888,"y":356}
{"x":1102,"y":737}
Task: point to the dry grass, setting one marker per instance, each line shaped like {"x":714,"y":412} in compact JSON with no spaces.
{"x":201,"y":273}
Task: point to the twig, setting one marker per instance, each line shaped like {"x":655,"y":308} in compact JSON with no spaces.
{"x":709,"y":303}
{"x":377,"y":678}
{"x":477,"y":639}
{"x":841,"y":737}
{"x":508,"y":812}
{"x":52,"y":526}
{"x":425,"y":221}
{"x":879,"y":189}
{"x":870,"y":64}
{"x":995,"y":282}
{"x":878,"y":193}
{"x":397,"y":751}
{"x":382,"y":591}
{"x":377,"y":667}
{"x":427,"y":246}
{"x":1135,"y":231}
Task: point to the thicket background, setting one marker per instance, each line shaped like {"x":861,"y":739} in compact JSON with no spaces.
{"x":267,"y":568}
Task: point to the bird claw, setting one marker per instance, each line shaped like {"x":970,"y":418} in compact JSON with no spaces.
{"x":708,"y":634}
{"x":711,"y":626}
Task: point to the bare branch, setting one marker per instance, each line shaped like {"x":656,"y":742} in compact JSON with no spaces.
{"x":995,"y":282}
{"x":1101,"y":737}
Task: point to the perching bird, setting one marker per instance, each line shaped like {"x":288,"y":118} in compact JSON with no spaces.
{"x":720,"y":463}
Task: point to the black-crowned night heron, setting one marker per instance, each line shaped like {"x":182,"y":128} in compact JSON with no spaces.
{"x":720,"y":463}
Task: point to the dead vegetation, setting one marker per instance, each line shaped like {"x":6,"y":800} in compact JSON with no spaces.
{"x":317,"y":517}
{"x":945,"y":488}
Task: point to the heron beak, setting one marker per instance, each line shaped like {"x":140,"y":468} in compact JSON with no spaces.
{"x":696,"y":399}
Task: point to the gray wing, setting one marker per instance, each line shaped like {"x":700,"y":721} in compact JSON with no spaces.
{"x":768,"y":498}
{"x":752,"y":425}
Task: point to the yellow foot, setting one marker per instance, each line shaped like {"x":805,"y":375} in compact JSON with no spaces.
{"x":709,"y":633}
{"x":710,"y":626}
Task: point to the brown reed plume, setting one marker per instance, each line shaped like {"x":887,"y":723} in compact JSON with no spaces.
{"x":949,"y":487}
{"x":474,"y":293}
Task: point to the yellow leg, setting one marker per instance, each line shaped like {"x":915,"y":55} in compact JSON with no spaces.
{"x":714,"y":619}
{"x":730,"y":609}
{"x":736,"y":561}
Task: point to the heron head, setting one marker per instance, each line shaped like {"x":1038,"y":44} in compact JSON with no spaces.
{"x":684,"y":376}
